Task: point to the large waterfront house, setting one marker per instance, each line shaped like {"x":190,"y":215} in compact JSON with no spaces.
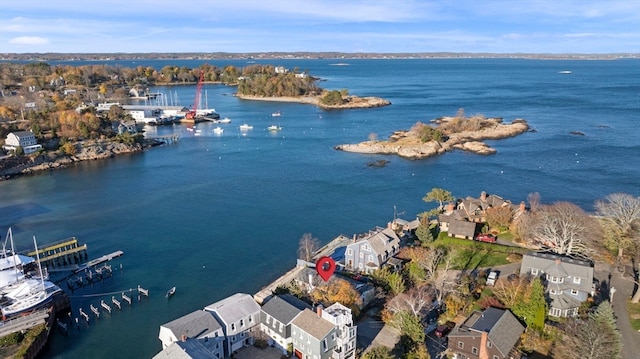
{"x":370,"y":251}
{"x":325,"y":333}
{"x":490,"y":334}
{"x":23,"y":139}
{"x":568,"y":281}
{"x":276,"y":317}
{"x":200,"y":326}
{"x":465,"y":217}
{"x":239,"y":316}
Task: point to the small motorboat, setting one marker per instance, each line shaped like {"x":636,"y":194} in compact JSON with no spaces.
{"x":276,"y":114}
{"x":274,"y":128}
{"x":245,"y":127}
{"x":218,"y":130}
{"x":171,"y":292}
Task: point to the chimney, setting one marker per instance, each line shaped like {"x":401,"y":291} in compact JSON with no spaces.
{"x":484,"y":352}
{"x":522,"y":207}
{"x":319,"y":310}
{"x":354,"y":238}
{"x":483,"y":196}
{"x":184,"y":337}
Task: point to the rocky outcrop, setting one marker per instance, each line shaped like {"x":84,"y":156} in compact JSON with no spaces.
{"x":408,"y":144}
{"x":85,"y":151}
{"x":351,"y":101}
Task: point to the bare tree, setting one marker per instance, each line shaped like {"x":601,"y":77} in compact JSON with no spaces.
{"x":621,"y":215}
{"x":442,"y":282}
{"x":416,"y":301}
{"x":565,"y":228}
{"x":534,"y":201}
{"x":307,"y":247}
{"x":509,"y":292}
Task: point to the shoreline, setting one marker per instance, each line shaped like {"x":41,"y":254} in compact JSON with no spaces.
{"x":353,"y":102}
{"x":406,"y":144}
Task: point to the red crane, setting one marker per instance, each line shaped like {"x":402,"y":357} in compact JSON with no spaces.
{"x":192,"y":113}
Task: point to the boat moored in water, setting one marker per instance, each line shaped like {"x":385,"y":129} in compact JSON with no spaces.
{"x":171,"y":292}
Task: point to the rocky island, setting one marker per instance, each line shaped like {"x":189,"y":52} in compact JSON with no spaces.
{"x":448,"y":133}
{"x":348,"y":103}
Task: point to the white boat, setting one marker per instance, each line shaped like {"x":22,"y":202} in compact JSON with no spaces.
{"x":566,"y":72}
{"x":276,"y":114}
{"x":274,"y":128}
{"x":198,"y":133}
{"x":29,"y":294}
{"x":171,"y":292}
{"x":245,"y":127}
{"x":218,"y":130}
{"x":224,"y":120}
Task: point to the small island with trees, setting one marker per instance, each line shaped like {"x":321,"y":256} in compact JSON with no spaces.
{"x":448,"y":133}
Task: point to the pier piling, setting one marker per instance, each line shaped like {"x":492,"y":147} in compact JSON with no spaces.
{"x":105,"y":306}
{"x":84,"y":315}
{"x":95,"y":310}
{"x":115,"y":302}
{"x":126,"y":298}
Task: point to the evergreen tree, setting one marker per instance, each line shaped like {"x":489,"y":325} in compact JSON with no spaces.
{"x":532,"y":306}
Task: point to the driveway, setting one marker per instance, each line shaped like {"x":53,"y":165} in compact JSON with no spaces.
{"x":623,"y":291}
{"x":252,"y":352}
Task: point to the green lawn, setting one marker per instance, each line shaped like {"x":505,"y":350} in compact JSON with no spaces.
{"x":473,"y":254}
{"x":634,"y":314}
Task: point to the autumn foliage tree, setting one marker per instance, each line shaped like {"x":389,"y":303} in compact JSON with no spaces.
{"x":338,"y":290}
{"x":499,"y":217}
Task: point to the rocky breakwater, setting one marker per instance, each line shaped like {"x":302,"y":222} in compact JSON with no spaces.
{"x":85,"y":151}
{"x":423,"y":141}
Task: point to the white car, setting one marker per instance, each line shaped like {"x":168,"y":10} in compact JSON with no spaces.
{"x":491,"y":279}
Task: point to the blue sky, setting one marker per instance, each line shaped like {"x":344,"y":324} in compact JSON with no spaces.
{"x":397,"y":26}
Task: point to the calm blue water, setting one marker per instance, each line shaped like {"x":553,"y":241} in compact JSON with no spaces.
{"x":216,"y":215}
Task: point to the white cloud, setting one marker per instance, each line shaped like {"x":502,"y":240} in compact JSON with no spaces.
{"x":29,"y":40}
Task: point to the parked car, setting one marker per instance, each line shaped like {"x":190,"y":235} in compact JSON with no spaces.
{"x":491,"y":279}
{"x":444,"y":329}
{"x":487,"y":237}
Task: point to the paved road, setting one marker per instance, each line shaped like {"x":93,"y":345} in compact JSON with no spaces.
{"x":624,"y":288}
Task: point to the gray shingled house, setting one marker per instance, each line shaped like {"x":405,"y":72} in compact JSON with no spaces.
{"x":239,"y":315}
{"x":325,"y":333}
{"x":199,"y":326}
{"x":491,"y":334}
{"x":276,"y":317}
{"x":372,"y":250}
{"x":568,"y":281}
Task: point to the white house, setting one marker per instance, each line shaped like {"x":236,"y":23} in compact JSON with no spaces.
{"x":24,"y":139}
{"x":239,"y":316}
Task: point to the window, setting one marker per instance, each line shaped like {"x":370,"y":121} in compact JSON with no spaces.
{"x":495,"y":357}
{"x":360,"y":265}
{"x":460,"y":345}
{"x":233,"y":326}
{"x":324,"y":345}
{"x":555,"y":312}
{"x":251,"y":319}
{"x":553,"y":279}
{"x":474,"y":350}
{"x":574,"y":291}
{"x":576,"y":280}
{"x":370,"y":258}
{"x":349,"y":252}
{"x":555,"y":291}
{"x":268,"y":319}
{"x":534,"y":271}
{"x":242,"y":322}
{"x":365,"y":247}
{"x":361,"y":254}
{"x":489,"y":345}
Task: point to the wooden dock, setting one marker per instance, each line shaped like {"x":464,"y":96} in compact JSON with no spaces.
{"x":63,"y":253}
{"x":95,"y":262}
{"x":23,"y":322}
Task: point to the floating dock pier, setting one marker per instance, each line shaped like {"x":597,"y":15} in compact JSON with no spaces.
{"x":95,"y":262}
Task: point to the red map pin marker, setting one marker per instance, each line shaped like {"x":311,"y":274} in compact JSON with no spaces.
{"x":325,"y":267}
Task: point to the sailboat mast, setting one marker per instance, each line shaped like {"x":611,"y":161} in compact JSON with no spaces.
{"x":13,"y":253}
{"x":35,"y":244}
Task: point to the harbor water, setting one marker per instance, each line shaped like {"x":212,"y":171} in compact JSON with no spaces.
{"x":214,"y":214}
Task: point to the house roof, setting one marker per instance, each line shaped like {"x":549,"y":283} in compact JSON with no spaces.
{"x":21,"y":134}
{"x":502,"y":327}
{"x":563,"y":301}
{"x":464,"y":228}
{"x":284,"y":308}
{"x":311,"y":323}
{"x":196,"y":324}
{"x":383,"y":240}
{"x":190,"y":349}
{"x":235,"y":307}
{"x":560,"y":266}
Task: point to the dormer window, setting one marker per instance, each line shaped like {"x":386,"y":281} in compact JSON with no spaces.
{"x":553,"y":279}
{"x":576,"y":280}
